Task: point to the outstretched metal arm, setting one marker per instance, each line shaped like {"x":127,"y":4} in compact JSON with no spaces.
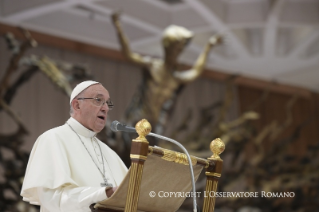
{"x":18,"y":51}
{"x":133,"y":57}
{"x":192,"y":74}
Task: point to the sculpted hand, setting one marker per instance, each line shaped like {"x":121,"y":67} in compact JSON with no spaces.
{"x":109,"y":191}
{"x":216,"y":39}
{"x":116,"y":16}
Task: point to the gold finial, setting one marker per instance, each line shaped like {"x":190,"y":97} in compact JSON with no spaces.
{"x":143,"y":128}
{"x":217,"y":146}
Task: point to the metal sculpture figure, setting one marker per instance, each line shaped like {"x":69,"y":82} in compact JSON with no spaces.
{"x":161,"y":78}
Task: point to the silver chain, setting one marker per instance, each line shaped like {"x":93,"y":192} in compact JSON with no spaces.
{"x":103,"y":173}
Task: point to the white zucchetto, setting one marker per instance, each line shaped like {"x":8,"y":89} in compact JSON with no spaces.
{"x":81,"y":87}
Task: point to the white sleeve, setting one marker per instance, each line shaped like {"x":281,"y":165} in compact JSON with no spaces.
{"x":70,"y":198}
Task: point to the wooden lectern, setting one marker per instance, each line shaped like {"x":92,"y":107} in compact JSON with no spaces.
{"x":154,"y":170}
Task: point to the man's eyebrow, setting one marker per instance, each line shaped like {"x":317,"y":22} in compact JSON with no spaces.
{"x":101,"y":95}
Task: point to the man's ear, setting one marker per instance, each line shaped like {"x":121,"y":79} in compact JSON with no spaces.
{"x":75,"y":104}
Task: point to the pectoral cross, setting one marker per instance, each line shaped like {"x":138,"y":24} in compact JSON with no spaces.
{"x":106,"y":184}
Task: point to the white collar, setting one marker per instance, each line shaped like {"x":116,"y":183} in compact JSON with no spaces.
{"x":80,"y":129}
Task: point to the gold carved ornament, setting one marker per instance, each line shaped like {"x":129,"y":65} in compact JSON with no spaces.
{"x":177,"y":157}
{"x":217,"y":146}
{"x":143,"y":128}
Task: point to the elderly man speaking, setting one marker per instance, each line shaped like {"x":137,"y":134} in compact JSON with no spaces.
{"x":69,"y":168}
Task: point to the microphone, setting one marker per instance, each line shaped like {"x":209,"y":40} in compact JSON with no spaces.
{"x":117,"y":126}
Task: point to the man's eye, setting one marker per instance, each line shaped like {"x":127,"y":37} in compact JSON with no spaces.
{"x":98,"y":99}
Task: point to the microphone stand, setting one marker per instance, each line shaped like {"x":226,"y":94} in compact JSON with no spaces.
{"x":189,"y":163}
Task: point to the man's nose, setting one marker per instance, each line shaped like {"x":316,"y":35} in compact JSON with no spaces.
{"x":105,"y":107}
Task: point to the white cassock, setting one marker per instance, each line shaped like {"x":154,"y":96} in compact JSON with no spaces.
{"x":61,"y":175}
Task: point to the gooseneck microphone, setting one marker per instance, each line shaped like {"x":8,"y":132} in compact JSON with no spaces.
{"x":117,"y":126}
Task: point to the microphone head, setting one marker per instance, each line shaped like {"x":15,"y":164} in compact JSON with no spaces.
{"x":114,"y":126}
{"x":118,"y":126}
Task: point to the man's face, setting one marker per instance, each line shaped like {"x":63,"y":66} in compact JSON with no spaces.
{"x":91,"y":116}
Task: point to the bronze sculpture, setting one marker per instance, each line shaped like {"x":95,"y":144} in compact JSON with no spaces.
{"x":161,"y":78}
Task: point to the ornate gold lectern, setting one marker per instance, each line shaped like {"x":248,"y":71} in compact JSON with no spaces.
{"x":155,"y":171}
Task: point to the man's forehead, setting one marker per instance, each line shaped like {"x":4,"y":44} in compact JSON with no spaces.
{"x":97,"y":89}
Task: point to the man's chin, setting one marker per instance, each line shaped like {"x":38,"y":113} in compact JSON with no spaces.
{"x":99,"y":128}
